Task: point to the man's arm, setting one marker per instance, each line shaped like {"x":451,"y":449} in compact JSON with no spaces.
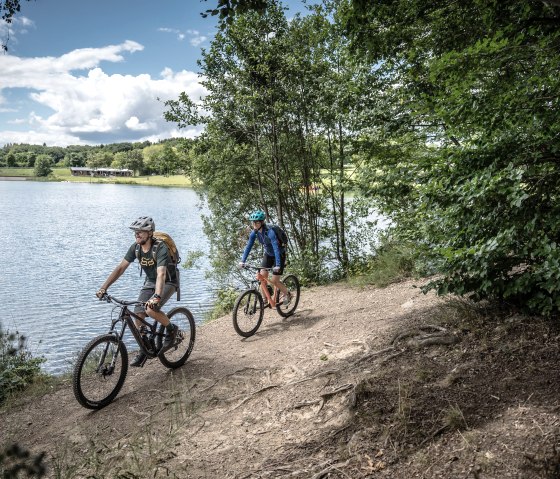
{"x":115,"y":274}
{"x":160,"y":279}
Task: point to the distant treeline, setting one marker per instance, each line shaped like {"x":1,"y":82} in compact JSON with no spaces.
{"x":166,"y":157}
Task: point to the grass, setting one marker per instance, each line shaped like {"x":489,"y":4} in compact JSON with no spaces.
{"x":392,"y":263}
{"x":63,"y":174}
{"x":142,"y":452}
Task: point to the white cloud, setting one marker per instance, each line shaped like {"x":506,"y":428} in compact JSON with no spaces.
{"x":196,"y":38}
{"x":97,"y":107}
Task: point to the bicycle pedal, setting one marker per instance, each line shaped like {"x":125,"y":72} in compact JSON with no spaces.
{"x":139,"y":361}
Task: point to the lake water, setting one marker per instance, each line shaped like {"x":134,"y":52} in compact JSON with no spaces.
{"x":61,"y":241}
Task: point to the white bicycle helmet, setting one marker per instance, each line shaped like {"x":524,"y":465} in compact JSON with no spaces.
{"x":144,"y":223}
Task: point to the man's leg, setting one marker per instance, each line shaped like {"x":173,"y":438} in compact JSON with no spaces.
{"x":161,"y":317}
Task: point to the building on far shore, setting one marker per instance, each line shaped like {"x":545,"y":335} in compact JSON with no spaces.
{"x":82,"y":171}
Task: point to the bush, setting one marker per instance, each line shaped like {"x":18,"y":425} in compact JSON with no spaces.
{"x":43,"y":166}
{"x":225,"y":301}
{"x":18,"y":369}
{"x":392,"y":262}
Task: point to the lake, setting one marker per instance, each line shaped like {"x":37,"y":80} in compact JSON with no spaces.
{"x":61,"y":241}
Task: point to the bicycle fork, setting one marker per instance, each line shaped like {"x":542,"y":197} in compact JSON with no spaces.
{"x":107,"y":370}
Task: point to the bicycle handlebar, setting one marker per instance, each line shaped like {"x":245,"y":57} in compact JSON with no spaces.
{"x":111,"y":299}
{"x":256,"y":268}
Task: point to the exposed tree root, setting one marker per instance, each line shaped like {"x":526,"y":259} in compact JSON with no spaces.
{"x":424,"y":336}
{"x":324,"y":397}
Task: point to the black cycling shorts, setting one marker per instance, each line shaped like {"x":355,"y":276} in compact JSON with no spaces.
{"x":270,"y":262}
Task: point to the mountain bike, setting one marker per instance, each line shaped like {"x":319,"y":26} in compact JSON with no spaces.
{"x":249,"y":307}
{"x":102,"y":365}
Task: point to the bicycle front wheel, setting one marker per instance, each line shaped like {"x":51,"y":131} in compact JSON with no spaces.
{"x":100,"y":371}
{"x":292,"y":284}
{"x":248,"y":313}
{"x":181,"y":350}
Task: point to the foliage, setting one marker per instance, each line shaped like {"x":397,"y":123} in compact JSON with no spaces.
{"x":170,"y":159}
{"x":277,"y":119}
{"x":391,"y":262}
{"x":18,"y":369}
{"x":8,"y":8}
{"x":228,"y":9}
{"x":43,"y":166}
{"x":462,"y":148}
{"x":224,"y":302}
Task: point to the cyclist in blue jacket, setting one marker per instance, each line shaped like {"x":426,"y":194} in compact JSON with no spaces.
{"x":274,"y":254}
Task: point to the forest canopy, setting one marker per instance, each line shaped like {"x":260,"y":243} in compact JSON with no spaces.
{"x":443,"y":116}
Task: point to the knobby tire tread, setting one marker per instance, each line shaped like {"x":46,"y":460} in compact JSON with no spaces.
{"x":190,"y":341}
{"x":258,"y":297}
{"x":76,"y":380}
{"x":295,"y":300}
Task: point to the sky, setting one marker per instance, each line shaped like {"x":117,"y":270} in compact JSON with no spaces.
{"x":91,"y":72}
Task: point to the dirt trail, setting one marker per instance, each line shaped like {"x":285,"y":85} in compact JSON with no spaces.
{"x":298,"y":399}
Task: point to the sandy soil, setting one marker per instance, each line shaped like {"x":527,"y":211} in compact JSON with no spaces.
{"x":359,"y":383}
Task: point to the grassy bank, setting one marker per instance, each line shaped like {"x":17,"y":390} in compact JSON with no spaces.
{"x":63,"y":174}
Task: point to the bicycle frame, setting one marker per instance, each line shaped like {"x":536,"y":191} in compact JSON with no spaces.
{"x":264,"y":282}
{"x":125,"y":317}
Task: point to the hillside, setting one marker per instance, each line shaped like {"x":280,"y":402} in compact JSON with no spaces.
{"x":360,"y":383}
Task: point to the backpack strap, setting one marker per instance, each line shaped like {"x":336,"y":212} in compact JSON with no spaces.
{"x":155,"y":247}
{"x":137,"y":254}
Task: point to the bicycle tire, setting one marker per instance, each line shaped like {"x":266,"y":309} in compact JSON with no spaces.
{"x":292,"y":283}
{"x":248,"y":313}
{"x":96,"y":385}
{"x":176,"y":356}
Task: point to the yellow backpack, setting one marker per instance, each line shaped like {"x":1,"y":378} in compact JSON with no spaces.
{"x":174,"y":257}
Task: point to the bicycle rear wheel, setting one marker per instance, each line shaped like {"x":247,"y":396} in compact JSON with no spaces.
{"x":248,"y":313}
{"x":292,"y":283}
{"x":181,"y":350}
{"x":100,"y":371}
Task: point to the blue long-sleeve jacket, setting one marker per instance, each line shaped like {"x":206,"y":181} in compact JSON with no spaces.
{"x":270,"y":242}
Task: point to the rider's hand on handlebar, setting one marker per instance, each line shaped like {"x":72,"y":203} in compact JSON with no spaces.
{"x":276,"y":269}
{"x":241,"y":265}
{"x":154,"y":302}
{"x":101,"y":293}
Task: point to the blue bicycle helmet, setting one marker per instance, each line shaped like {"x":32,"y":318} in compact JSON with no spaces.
{"x":258,"y":215}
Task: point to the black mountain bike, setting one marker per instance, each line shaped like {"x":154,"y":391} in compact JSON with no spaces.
{"x":249,"y":307}
{"x":102,"y":365}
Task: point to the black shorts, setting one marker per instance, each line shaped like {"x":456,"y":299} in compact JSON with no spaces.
{"x":270,"y":261}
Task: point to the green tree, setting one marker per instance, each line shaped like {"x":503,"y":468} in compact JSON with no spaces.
{"x":11,"y":159}
{"x":276,"y":136}
{"x":134,"y":160}
{"x":43,"y":166}
{"x":99,"y":159}
{"x":465,"y":151}
{"x":169,"y":160}
{"x":74,"y":159}
{"x":152,"y":158}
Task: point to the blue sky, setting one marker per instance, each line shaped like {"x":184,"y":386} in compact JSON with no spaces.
{"x":90,"y":72}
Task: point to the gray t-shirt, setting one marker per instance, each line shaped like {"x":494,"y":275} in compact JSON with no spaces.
{"x":147,"y":262}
